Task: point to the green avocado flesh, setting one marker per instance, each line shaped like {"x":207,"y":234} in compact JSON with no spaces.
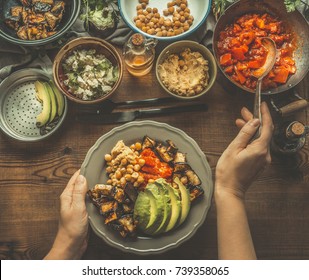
{"x":142,"y":210}
{"x":52,"y":102}
{"x":185,"y":201}
{"x":161,"y":208}
{"x":176,"y":208}
{"x":44,"y":97}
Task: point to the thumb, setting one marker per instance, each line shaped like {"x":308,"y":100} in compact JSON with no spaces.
{"x":80,"y":190}
{"x":246,"y":133}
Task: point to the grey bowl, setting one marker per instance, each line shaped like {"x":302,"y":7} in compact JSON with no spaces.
{"x":93,"y":167}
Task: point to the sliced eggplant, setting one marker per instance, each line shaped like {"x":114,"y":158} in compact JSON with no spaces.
{"x":12,"y":23}
{"x":49,"y":2}
{"x":58,"y":9}
{"x":109,"y":206}
{"x":51,"y":20}
{"x":127,"y":222}
{"x":180,"y":157}
{"x":111,"y":217}
{"x":102,"y":189}
{"x":16,"y":11}
{"x":148,"y":143}
{"x":40,"y":7}
{"x":171,"y":149}
{"x":181,"y":167}
{"x":194,"y":180}
{"x":118,"y":194}
{"x":162,"y":152}
{"x":26,"y":3}
{"x":128,"y":208}
{"x":22,"y":33}
{"x":131,"y":192}
{"x":196,"y":192}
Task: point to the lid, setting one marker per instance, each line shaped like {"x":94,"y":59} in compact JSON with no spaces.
{"x":137,"y":39}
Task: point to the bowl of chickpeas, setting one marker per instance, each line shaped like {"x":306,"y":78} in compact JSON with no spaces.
{"x":164,"y":20}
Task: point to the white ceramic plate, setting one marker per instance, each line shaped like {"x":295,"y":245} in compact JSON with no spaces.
{"x":199,"y":9}
{"x":93,"y":169}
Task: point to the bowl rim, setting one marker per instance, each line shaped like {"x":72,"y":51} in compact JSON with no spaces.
{"x":211,"y":60}
{"x":63,"y":51}
{"x":48,"y":40}
{"x":172,"y":38}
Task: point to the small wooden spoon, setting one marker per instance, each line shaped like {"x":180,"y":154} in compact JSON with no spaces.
{"x":260,"y":73}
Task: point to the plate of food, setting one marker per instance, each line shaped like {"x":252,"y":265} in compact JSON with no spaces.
{"x":150,"y":187}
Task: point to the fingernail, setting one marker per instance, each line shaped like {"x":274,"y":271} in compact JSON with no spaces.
{"x":80,"y":179}
{"x":254,"y":122}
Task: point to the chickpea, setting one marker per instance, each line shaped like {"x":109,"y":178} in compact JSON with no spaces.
{"x":140,"y":179}
{"x":145,"y":13}
{"x":138,"y":24}
{"x":109,"y":169}
{"x":123,"y":170}
{"x":118,"y":174}
{"x":166,"y":12}
{"x":182,"y":19}
{"x":140,"y":12}
{"x":145,"y":28}
{"x":170,"y":34}
{"x":164,"y":33}
{"x":141,"y":18}
{"x":135,"y":175}
{"x":130,"y":170}
{"x":159,"y":34}
{"x":149,"y":10}
{"x":178,"y":2}
{"x":139,"y":7}
{"x":187,"y":10}
{"x":186,"y":27}
{"x":170,"y":4}
{"x":151,"y":181}
{"x":155,"y":10}
{"x":109,"y":182}
{"x":132,"y":147}
{"x":108,"y":157}
{"x":128,"y":177}
{"x":151,"y":25}
{"x":184,"y":2}
{"x":138,"y":146}
{"x":171,"y":10}
{"x":136,"y":167}
{"x":167,"y":23}
{"x":157,"y":15}
{"x":130,"y":166}
{"x":177,"y":23}
{"x":135,"y":184}
{"x":161,"y":20}
{"x":183,"y":6}
{"x":190,"y":22}
{"x":111,"y":175}
{"x":141,"y":162}
{"x":123,"y":181}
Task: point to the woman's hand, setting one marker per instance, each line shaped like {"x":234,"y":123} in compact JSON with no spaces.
{"x":71,"y":240}
{"x":242,"y":161}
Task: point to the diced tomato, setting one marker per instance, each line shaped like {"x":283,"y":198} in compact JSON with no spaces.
{"x":246,"y":37}
{"x":260,"y":23}
{"x":254,"y":64}
{"x":240,"y":76}
{"x":288,"y":60}
{"x":241,"y":66}
{"x":226,"y":59}
{"x":281,"y":75}
{"x":229,"y":69}
{"x":239,"y":53}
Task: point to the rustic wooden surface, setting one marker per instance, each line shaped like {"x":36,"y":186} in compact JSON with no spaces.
{"x":32,"y":177}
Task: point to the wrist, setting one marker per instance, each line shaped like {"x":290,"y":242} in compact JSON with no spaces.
{"x":224,"y":193}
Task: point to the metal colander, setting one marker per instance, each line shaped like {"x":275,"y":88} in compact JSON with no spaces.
{"x":19,"y":106}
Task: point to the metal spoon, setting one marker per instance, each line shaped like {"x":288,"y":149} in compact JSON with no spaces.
{"x":260,"y":73}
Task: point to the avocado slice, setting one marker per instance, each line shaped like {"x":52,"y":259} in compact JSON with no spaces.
{"x":43,"y":96}
{"x":156,"y":209}
{"x":162,"y":185}
{"x":53,"y":102}
{"x":59,"y":98}
{"x":185,"y":201}
{"x":142,"y":210}
{"x":176,"y":208}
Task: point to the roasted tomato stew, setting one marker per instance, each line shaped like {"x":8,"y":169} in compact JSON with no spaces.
{"x":241,"y":52}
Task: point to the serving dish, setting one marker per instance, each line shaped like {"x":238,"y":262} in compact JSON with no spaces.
{"x":198,"y":9}
{"x":294,"y":21}
{"x":71,"y":13}
{"x":93,"y":166}
{"x":86,"y":43}
{"x":177,"y":48}
{"x":19,"y":106}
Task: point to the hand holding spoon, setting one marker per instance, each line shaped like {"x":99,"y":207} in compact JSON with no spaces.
{"x":260,"y":73}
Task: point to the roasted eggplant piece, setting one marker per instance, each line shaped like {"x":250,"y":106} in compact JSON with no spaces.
{"x":102,"y":189}
{"x":128,"y":223}
{"x":16,"y":11}
{"x":110,"y":217}
{"x":22,"y":33}
{"x":148,"y":143}
{"x":181,"y":167}
{"x":119,"y":194}
{"x":58,"y":9}
{"x":194,"y":180}
{"x":49,"y":2}
{"x":195,"y":192}
{"x":171,"y":149}
{"x":51,"y":20}
{"x":131,"y":192}
{"x":109,"y":206}
{"x":12,"y":23}
{"x":128,"y":208}
{"x":163,"y":154}
{"x":180,"y":157}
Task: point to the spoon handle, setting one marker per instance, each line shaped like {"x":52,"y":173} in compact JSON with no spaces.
{"x":257,"y":107}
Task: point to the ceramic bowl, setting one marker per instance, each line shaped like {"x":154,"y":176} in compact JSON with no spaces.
{"x":102,"y":47}
{"x":198,"y":9}
{"x":177,"y":48}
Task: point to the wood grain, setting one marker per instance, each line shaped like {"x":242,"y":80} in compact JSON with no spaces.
{"x":32,"y":176}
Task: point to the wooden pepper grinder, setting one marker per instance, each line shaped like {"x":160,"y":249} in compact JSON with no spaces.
{"x":289,"y":138}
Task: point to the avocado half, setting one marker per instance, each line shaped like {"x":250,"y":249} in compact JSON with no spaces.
{"x":43,"y":96}
{"x":161,"y":208}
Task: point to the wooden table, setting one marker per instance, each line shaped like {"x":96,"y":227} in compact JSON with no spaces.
{"x":32,"y":177}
